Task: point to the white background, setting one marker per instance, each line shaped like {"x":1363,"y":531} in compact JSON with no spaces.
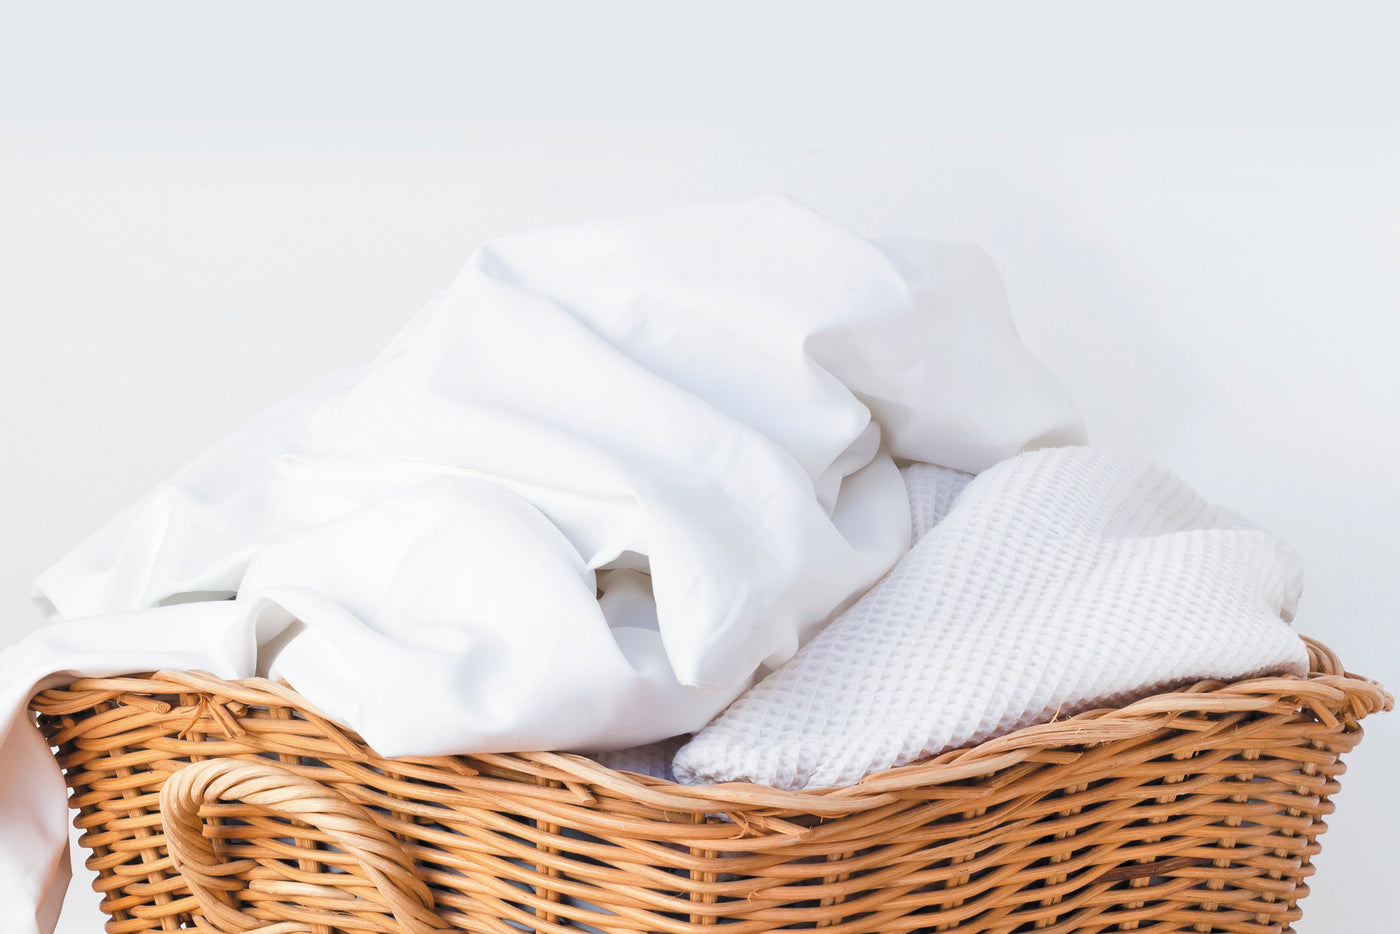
{"x":1196,"y":210}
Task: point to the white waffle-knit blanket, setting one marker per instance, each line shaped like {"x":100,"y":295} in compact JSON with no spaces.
{"x":1059,"y":581}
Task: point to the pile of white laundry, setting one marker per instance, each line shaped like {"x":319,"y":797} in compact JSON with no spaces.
{"x":624,"y":475}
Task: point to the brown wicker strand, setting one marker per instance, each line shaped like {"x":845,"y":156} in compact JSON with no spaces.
{"x":236,"y":806}
{"x":377,"y":853}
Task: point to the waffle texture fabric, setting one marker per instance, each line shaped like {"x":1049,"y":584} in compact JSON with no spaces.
{"x":1059,"y":581}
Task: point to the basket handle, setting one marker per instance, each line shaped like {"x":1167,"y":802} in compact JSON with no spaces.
{"x":279,"y":791}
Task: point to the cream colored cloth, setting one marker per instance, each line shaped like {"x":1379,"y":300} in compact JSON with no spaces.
{"x":1058,"y":581}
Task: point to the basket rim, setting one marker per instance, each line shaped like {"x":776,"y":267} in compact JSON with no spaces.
{"x":1328,"y":691}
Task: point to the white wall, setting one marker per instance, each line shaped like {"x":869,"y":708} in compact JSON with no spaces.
{"x":1198,"y":219}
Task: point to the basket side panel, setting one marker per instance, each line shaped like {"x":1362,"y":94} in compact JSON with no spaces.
{"x":1209,"y":825}
{"x":1209,"y":822}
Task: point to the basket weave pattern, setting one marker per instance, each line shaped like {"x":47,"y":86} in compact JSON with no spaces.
{"x":233,"y":806}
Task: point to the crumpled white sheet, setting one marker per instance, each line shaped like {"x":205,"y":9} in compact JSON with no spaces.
{"x":615,"y":471}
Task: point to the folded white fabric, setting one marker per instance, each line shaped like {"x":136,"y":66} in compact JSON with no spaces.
{"x":931,"y":490}
{"x":652,"y":759}
{"x":616,"y":470}
{"x":1059,"y":581}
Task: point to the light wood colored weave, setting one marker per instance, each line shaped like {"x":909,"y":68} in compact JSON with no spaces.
{"x":233,"y":806}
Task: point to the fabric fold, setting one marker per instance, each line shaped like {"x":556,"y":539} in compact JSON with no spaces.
{"x":427,"y":546}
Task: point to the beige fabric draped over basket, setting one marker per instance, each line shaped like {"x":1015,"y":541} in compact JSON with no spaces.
{"x":233,"y":806}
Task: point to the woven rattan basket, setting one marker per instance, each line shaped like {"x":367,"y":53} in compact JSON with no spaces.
{"x":233,"y":806}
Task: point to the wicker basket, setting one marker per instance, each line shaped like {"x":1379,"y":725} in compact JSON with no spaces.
{"x":233,"y":806}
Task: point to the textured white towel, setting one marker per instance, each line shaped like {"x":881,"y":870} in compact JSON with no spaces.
{"x":1060,"y":580}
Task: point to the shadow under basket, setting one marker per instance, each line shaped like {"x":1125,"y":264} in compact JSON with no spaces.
{"x":234,"y":806}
